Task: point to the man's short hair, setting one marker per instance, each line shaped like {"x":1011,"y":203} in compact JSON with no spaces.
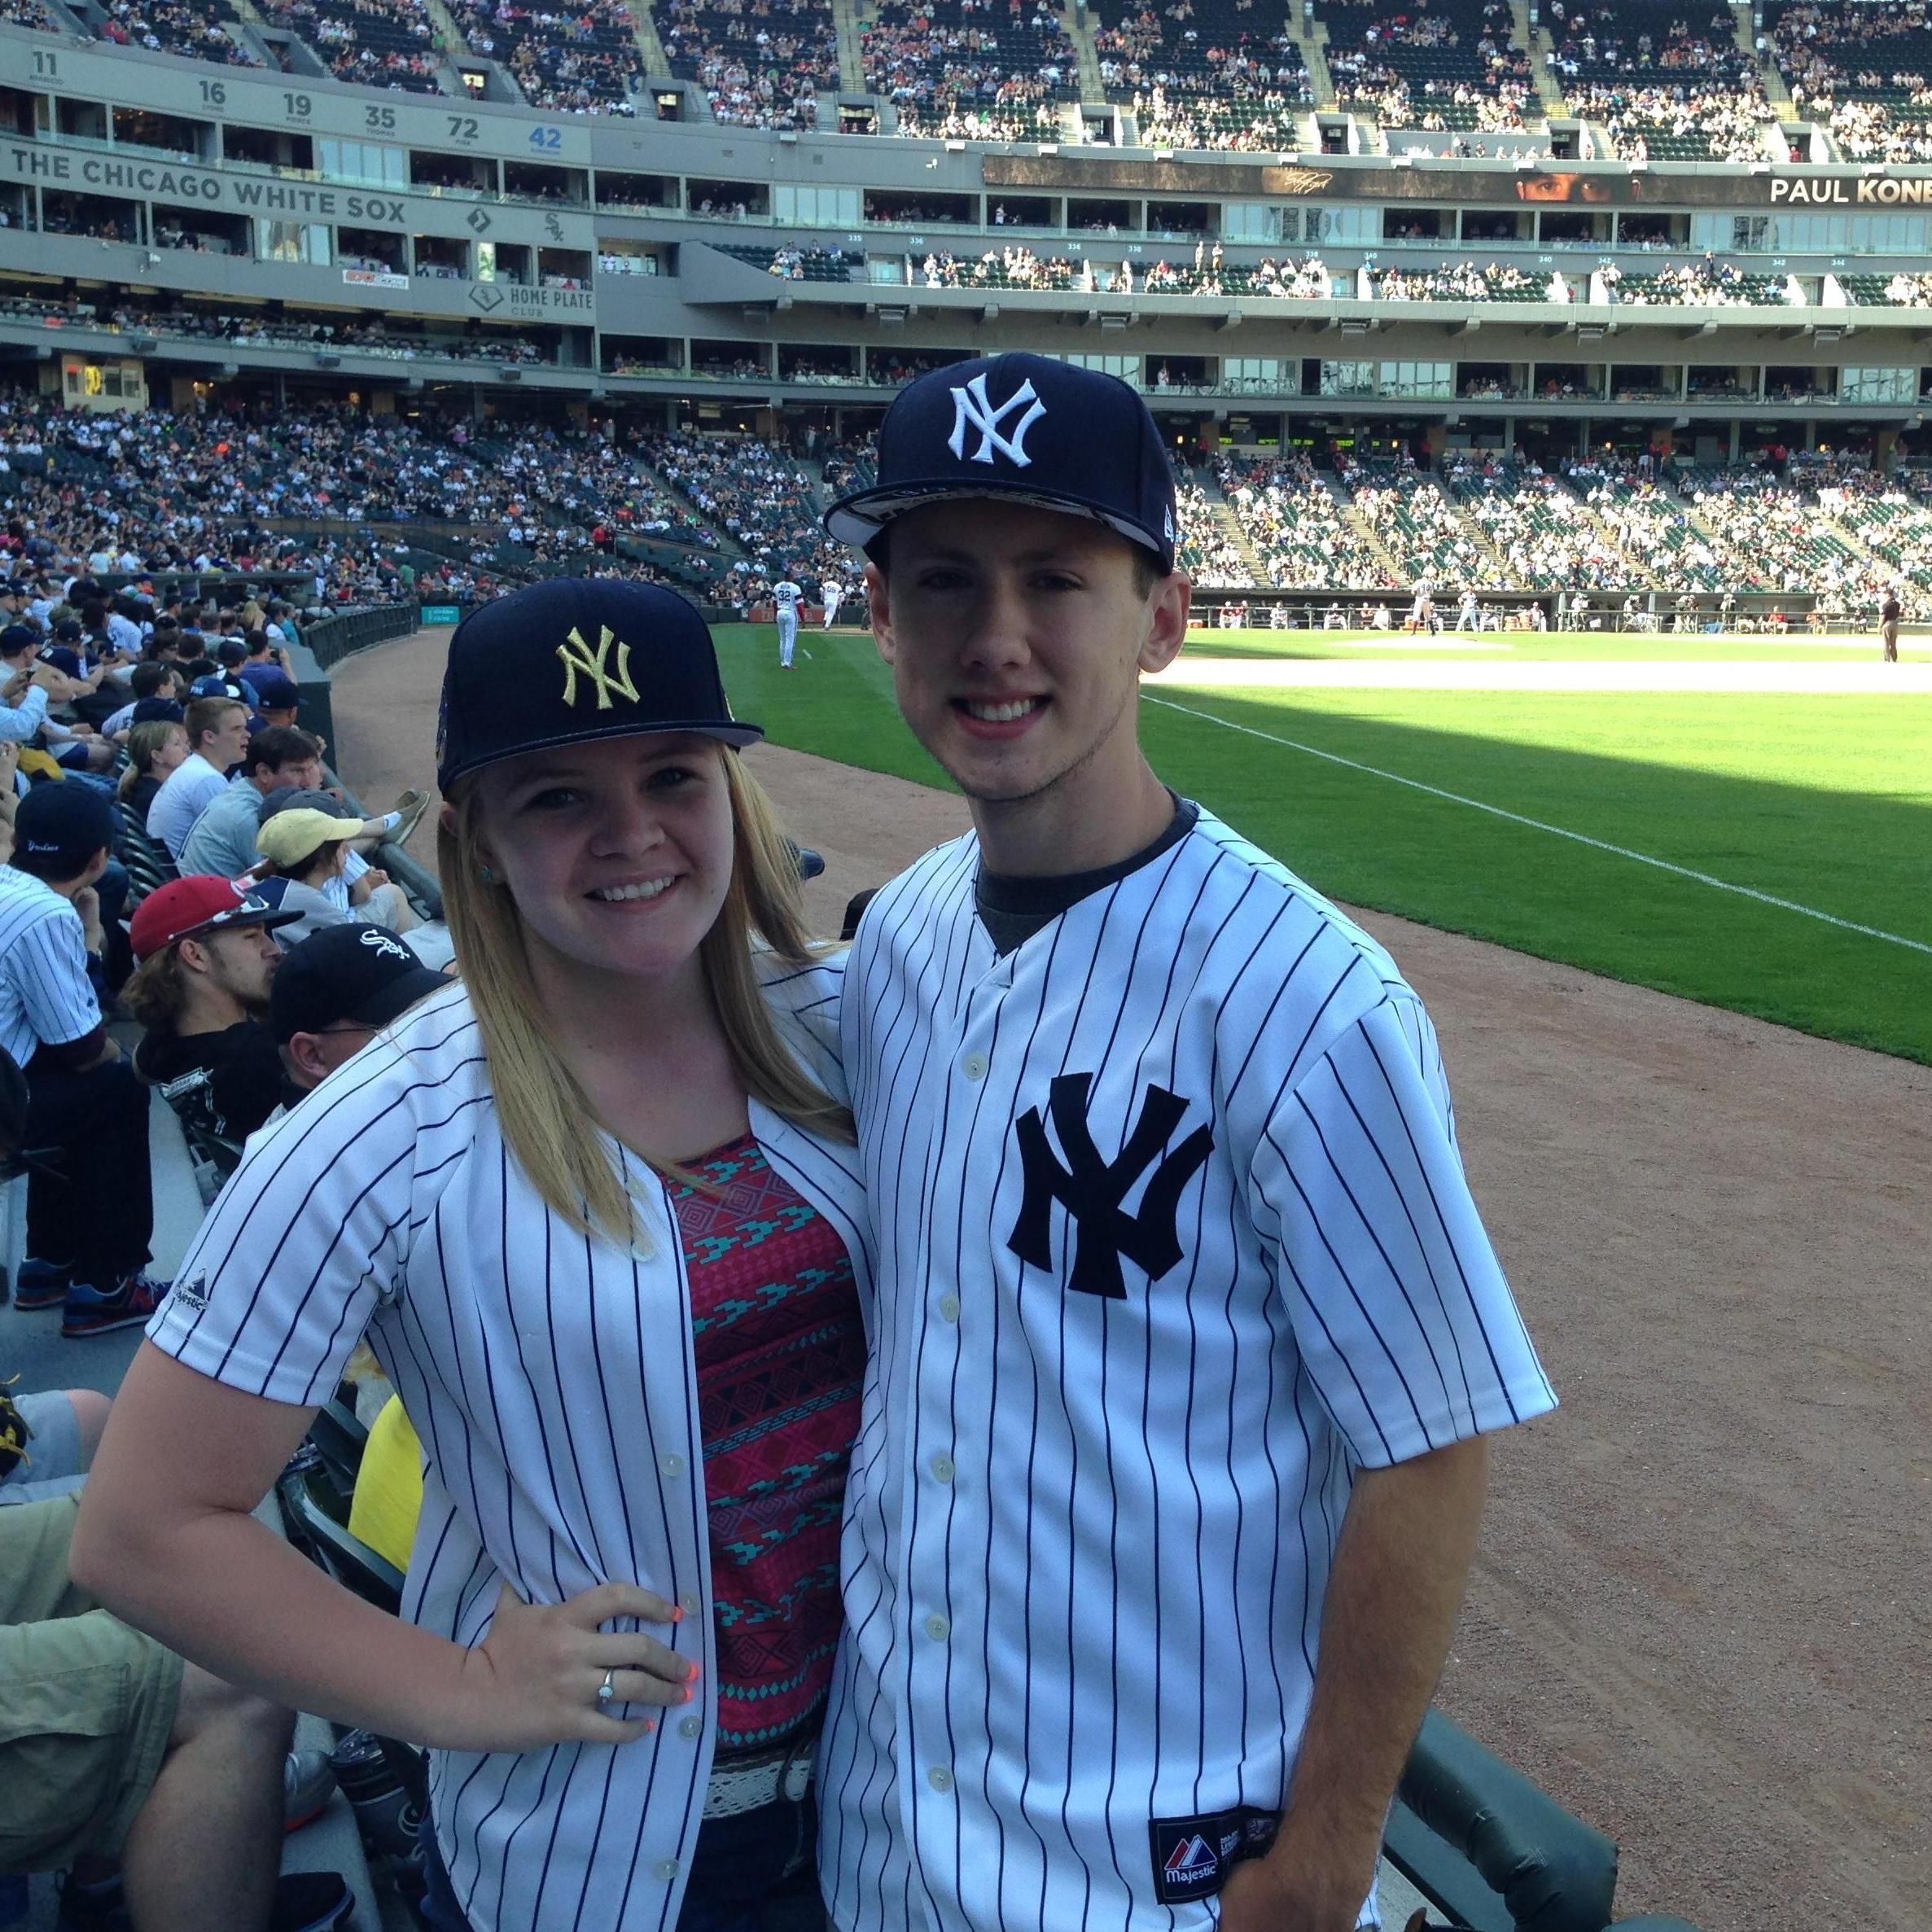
{"x":149,"y":679}
{"x":229,"y":654}
{"x":275,"y":746}
{"x":206,"y":715}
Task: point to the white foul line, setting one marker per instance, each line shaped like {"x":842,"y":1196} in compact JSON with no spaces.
{"x":1536,"y":825}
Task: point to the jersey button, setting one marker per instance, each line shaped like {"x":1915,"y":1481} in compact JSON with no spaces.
{"x":667,"y":1869}
{"x":691,"y":1727}
{"x":973,"y":1067}
{"x":938,"y":1628}
{"x":949,"y":1308}
{"x":688,"y":1603}
{"x":942,"y":1467}
{"x":672,"y":1465}
{"x":940,"y":1778}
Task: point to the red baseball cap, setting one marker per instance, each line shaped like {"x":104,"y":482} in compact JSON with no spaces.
{"x":184,"y":907}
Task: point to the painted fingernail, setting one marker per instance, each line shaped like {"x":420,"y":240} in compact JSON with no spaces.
{"x":678,"y":1613}
{"x":650,"y":1724}
{"x":691,"y":1675}
{"x":686,"y":1698}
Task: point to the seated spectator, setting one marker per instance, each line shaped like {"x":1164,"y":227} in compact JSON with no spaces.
{"x":276,"y":699}
{"x":155,"y":748}
{"x":200,"y":989}
{"x":26,"y":685}
{"x":152,"y":679}
{"x":47,"y":1438}
{"x":222,"y":842}
{"x":159,"y":1789}
{"x":333,"y":993}
{"x":89,"y":1204}
{"x":217,"y":738}
{"x":310,"y":850}
{"x":263,"y":662}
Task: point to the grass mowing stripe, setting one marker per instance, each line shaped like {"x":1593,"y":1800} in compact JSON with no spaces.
{"x":1622,"y":852}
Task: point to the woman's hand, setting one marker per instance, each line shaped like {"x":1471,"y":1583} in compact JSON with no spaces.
{"x":533,"y":1680}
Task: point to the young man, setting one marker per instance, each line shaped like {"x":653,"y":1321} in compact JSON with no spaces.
{"x":1187,"y":1330}
{"x":221,"y":843}
{"x":217,"y":737}
{"x":334,"y":994}
{"x":200,"y":990}
{"x":89,"y":1205}
{"x":787,"y":596}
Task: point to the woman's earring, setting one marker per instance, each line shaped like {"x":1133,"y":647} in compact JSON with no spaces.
{"x":487,"y":874}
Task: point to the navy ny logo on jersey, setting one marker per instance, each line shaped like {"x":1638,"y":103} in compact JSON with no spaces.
{"x":1092,"y":1190}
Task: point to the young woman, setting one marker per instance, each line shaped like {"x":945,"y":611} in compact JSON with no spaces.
{"x":596,"y":1207}
{"x":155,"y":748}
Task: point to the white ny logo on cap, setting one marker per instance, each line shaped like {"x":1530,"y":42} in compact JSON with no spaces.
{"x":973,"y":408}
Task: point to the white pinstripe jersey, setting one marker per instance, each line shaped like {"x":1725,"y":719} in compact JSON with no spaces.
{"x":1106,"y":1454}
{"x":45,"y":997}
{"x":550,"y":1379}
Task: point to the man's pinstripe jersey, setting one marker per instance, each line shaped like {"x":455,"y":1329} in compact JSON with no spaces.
{"x":1173,"y":1239}
{"x":45,"y":997}
{"x":550,"y":1377}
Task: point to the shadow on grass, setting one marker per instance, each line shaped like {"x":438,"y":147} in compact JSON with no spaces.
{"x":1863,"y":857}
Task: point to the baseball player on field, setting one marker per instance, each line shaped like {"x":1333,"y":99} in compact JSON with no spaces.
{"x":598,"y":1209}
{"x":831,"y":594}
{"x":787,"y":596}
{"x":1187,"y":1334}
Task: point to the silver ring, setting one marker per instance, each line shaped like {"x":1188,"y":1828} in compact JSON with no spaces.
{"x":606,"y":1691}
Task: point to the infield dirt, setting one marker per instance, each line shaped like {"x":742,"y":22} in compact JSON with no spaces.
{"x":1698,"y":1619}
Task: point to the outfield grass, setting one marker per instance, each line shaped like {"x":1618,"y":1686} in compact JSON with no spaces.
{"x":1825,"y":801}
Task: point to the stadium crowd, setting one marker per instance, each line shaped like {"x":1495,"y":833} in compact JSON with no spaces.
{"x":760,"y":62}
{"x":374,"y":43}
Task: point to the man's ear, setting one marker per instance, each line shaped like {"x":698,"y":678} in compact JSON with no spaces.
{"x":879,"y":605}
{"x":1169,"y":604}
{"x":305,"y":1050}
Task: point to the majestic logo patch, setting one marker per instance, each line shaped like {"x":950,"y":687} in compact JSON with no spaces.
{"x":578,"y":656}
{"x":1091,"y":1190}
{"x":192,"y":1294}
{"x":972,"y":409}
{"x":1192,"y":1856}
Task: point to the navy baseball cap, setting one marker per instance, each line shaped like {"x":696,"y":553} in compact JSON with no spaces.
{"x":349,"y":972}
{"x":17,"y":637}
{"x":1025,"y":429}
{"x":59,"y":826}
{"x":574,"y":659}
{"x":277,"y":693}
{"x":166,"y":709}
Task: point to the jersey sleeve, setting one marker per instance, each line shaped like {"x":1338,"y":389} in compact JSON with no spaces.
{"x":311,"y":1233}
{"x":50,"y":972}
{"x":1404,"y":1321}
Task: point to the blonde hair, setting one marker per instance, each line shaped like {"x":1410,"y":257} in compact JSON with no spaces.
{"x":541,"y":1103}
{"x":144,"y":743}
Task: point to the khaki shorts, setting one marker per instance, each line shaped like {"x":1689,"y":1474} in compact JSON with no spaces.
{"x":87,"y":1705}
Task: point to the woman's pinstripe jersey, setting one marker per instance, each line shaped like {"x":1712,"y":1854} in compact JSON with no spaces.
{"x":1173,"y":1239}
{"x":550,"y":1379}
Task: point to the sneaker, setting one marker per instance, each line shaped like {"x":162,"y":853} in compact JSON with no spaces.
{"x":311,"y":1902}
{"x":412,"y":805}
{"x":90,"y":1311}
{"x":43,"y":1284}
{"x":308,"y":1784}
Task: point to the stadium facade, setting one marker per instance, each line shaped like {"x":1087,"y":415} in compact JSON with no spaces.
{"x":166,"y":219}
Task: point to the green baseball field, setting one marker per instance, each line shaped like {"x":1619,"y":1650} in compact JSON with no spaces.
{"x":1742,"y":821}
